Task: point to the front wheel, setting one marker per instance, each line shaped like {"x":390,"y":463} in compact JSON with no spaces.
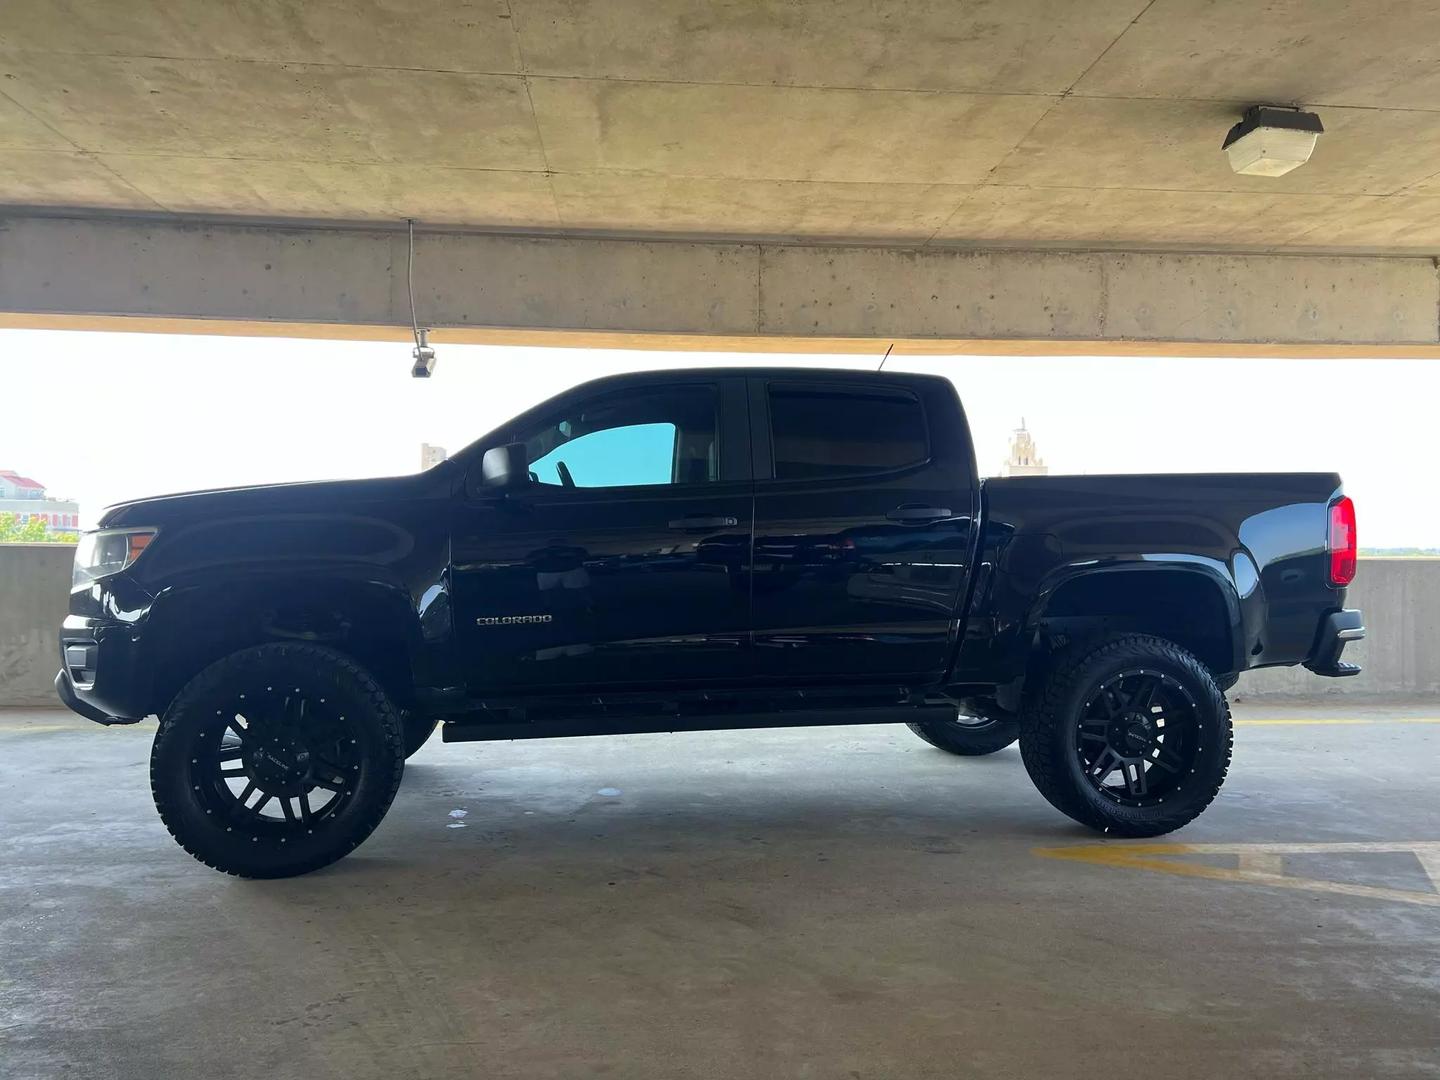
{"x":276,"y":760}
{"x":1132,"y":737}
{"x":968,"y":736}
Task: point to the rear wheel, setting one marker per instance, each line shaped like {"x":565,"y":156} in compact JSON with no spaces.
{"x":1132,"y":737}
{"x":968,"y":736}
{"x":276,"y":760}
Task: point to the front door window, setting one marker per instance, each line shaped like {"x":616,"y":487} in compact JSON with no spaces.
{"x":652,"y":438}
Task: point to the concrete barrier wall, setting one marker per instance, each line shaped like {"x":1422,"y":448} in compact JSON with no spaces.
{"x":1400,"y":597}
{"x":34,"y":596}
{"x":1401,"y":653}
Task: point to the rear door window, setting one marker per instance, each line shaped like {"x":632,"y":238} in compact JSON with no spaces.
{"x":817,"y":433}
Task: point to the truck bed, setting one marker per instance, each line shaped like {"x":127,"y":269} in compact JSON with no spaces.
{"x":1261,"y":536}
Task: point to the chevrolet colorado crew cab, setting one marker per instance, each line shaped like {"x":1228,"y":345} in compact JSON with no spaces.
{"x":697,"y":550}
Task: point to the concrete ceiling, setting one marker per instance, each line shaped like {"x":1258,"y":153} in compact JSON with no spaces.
{"x":987,"y":122}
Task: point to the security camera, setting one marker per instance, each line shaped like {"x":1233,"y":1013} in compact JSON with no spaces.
{"x":424,"y":355}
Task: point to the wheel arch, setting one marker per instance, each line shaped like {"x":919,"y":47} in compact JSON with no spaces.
{"x":373,"y":622}
{"x":1190,"y":602}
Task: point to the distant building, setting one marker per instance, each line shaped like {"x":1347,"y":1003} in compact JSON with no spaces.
{"x":1023,"y":460}
{"x":431,"y":456}
{"x":25,"y":498}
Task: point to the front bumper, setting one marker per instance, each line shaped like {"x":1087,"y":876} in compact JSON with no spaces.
{"x":1337,"y":630}
{"x":100,"y":676}
{"x":66,"y":690}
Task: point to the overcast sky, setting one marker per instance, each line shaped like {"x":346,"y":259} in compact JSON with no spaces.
{"x":106,"y":417}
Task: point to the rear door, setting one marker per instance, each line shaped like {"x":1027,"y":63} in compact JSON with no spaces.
{"x":864,"y":502}
{"x":625,"y":561}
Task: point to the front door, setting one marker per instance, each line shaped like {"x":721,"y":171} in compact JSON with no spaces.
{"x":626,"y":558}
{"x":863,"y":511}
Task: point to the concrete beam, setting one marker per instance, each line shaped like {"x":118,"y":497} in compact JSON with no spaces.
{"x":219,"y":276}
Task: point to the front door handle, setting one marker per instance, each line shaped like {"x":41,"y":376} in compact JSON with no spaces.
{"x":703,"y":523}
{"x":913,"y":513}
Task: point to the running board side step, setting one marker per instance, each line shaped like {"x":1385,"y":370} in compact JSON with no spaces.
{"x":460,"y":731}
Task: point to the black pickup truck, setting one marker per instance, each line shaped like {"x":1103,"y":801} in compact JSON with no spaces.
{"x":691,"y":550}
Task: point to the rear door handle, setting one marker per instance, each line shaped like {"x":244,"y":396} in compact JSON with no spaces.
{"x":919,"y":513}
{"x":703,"y":523}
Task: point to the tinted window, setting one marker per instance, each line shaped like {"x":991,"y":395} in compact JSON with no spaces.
{"x":818,"y":434}
{"x":640,"y":438}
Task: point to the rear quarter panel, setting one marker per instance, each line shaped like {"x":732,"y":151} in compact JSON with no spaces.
{"x":1261,"y":537}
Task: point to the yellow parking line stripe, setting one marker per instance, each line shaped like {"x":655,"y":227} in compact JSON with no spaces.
{"x":1262,"y":862}
{"x":1319,"y":721}
{"x":1257,"y":864}
{"x":1430,"y":863}
{"x":1319,"y":847}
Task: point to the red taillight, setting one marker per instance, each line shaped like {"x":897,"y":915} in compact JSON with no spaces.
{"x":1342,"y":544}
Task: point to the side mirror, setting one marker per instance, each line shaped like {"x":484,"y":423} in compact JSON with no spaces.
{"x":503,"y":468}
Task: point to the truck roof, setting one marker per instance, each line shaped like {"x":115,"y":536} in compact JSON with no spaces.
{"x":788,"y":371}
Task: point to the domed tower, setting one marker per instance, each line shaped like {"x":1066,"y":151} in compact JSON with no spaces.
{"x":1023,"y":460}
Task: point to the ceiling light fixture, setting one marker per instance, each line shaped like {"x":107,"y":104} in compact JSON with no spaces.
{"x":1271,"y":140}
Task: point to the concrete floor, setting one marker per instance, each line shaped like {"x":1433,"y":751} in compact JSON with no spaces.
{"x":796,"y":903}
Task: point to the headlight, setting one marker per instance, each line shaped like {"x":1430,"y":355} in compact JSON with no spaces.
{"x":108,"y":551}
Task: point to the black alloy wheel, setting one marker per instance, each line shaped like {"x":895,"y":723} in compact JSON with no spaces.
{"x":276,"y":760}
{"x":1136,"y":738}
{"x":279,"y":760}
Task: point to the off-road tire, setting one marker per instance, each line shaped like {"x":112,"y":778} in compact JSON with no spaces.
{"x":417,"y":728}
{"x":184,"y":792}
{"x":1051,"y":715}
{"x":968,"y":740}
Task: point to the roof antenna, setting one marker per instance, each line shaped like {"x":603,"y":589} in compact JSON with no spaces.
{"x":423,"y":354}
{"x":885,"y":357}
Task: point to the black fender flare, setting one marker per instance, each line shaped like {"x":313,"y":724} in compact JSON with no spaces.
{"x":1213,"y":571}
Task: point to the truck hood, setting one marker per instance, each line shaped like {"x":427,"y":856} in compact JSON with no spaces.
{"x":312,"y":496}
